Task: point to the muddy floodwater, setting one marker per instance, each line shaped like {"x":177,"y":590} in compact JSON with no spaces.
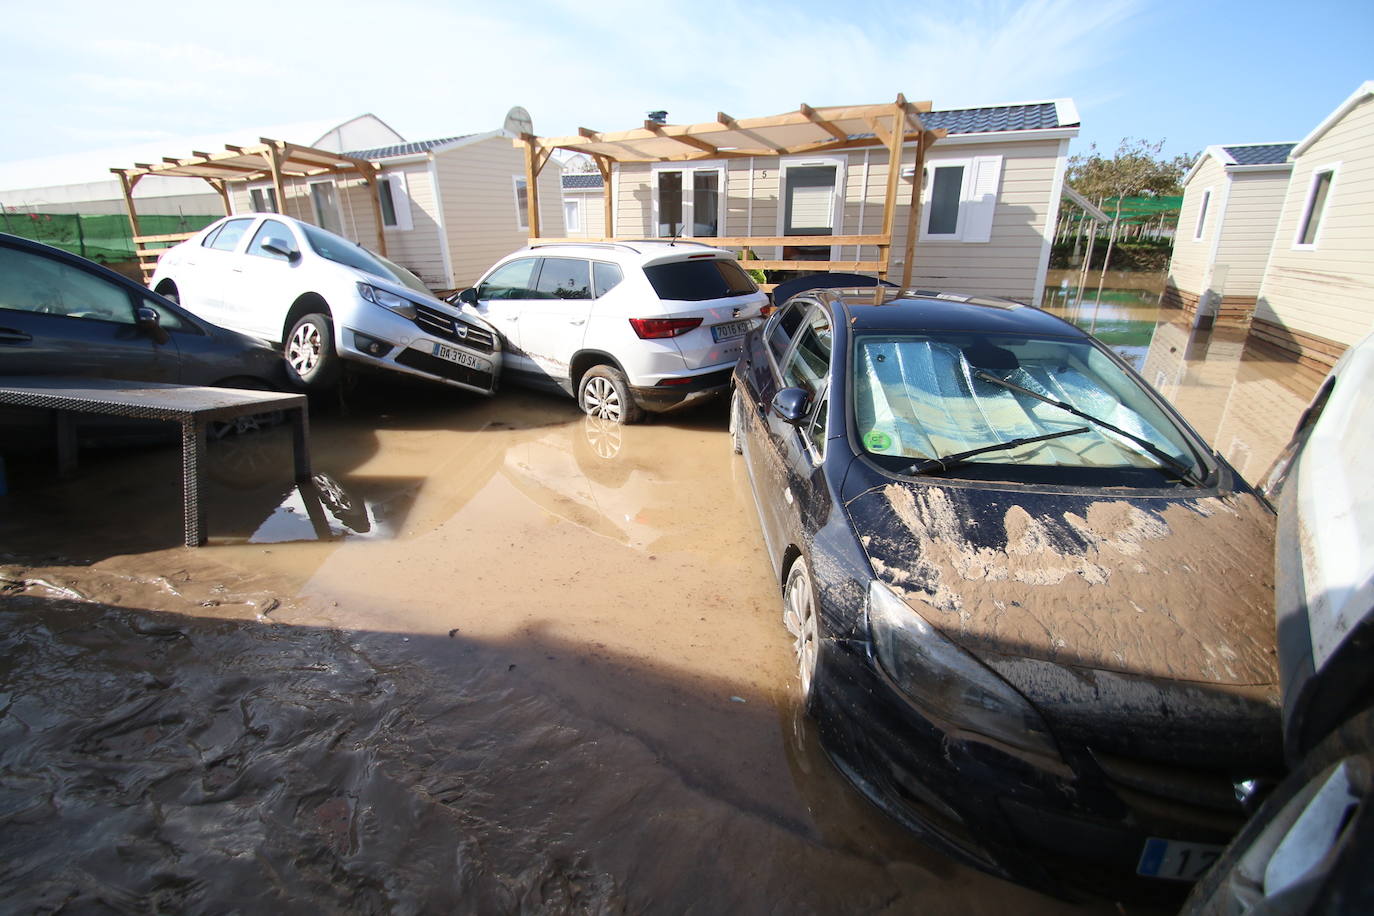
{"x":496,"y":658}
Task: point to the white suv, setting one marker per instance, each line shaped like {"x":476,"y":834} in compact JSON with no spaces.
{"x":625,"y":327}
{"x":325,"y":299}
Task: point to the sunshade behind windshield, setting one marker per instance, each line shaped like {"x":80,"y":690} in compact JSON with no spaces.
{"x":921,"y":397}
{"x":341,"y":251}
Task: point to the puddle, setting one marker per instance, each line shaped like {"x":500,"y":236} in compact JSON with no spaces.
{"x":496,"y":658}
{"x":1241,"y":397}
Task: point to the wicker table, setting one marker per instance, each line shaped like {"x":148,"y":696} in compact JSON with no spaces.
{"x":193,"y":407}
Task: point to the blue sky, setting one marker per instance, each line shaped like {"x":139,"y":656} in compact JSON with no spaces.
{"x":88,"y":76}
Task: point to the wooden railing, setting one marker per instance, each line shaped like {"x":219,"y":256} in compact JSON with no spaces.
{"x":879,"y":266}
{"x":148,"y":255}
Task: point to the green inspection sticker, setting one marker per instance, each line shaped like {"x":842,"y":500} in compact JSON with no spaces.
{"x":878,"y":441}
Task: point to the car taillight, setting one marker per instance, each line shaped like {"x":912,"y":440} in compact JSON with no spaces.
{"x":766,"y":310}
{"x":654,"y":328}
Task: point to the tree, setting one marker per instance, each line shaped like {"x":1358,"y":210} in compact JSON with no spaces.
{"x":1135,"y":171}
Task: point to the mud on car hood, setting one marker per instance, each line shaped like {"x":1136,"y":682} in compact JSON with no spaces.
{"x":1178,"y":588}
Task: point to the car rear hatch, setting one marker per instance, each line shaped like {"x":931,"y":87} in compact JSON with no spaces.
{"x":708,"y":304}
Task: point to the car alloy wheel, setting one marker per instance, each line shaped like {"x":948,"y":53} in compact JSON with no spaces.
{"x":605,"y":394}
{"x":309,"y":351}
{"x":799,"y":616}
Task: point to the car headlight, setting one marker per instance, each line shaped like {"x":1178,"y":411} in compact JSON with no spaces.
{"x":946,"y":682}
{"x":398,"y":304}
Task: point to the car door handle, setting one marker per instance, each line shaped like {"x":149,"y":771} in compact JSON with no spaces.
{"x":577,"y":321}
{"x":237,"y":270}
{"x":11,"y":336}
{"x":787,"y":495}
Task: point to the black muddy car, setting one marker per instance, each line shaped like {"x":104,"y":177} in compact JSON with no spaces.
{"x":1030,"y":607}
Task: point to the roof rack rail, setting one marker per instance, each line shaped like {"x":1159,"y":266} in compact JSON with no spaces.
{"x":676,"y":242}
{"x":584,"y":245}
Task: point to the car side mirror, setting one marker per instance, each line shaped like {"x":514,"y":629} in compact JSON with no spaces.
{"x":150,"y":322}
{"x":282,"y":248}
{"x":792,"y":405}
{"x":468,"y":296}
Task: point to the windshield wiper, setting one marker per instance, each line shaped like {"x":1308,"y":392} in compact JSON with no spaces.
{"x":945,"y":462}
{"x":1178,"y":467}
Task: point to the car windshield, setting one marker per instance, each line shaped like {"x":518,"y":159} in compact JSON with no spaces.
{"x":929,"y":396}
{"x":699,"y":279}
{"x":341,"y":251}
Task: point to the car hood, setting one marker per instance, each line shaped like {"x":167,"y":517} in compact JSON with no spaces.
{"x":428,"y":300}
{"x":1176,"y":588}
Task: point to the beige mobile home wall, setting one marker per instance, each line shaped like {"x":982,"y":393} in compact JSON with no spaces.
{"x":356,"y":209}
{"x":592,"y":210}
{"x":477,"y":195}
{"x":419,"y":249}
{"x":1006,"y":265}
{"x":1253,"y":204}
{"x":1318,"y":302}
{"x":1190,"y":266}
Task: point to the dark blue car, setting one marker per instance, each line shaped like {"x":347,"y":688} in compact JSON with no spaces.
{"x":1030,"y":607}
{"x":64,"y":315}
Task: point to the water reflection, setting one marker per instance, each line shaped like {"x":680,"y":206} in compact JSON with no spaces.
{"x":1241,"y":396}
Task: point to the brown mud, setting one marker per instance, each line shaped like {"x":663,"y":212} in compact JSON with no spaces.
{"x":498,"y":659}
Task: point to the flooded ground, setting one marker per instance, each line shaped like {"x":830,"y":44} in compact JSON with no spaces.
{"x":498,"y":658}
{"x":1242,"y":397}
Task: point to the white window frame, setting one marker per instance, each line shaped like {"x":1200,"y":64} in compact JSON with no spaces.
{"x":315,"y":206}
{"x":975,"y":167}
{"x":1200,"y":230}
{"x":522,"y":221}
{"x":400,"y":199}
{"x":1306,"y":214}
{"x":688,"y":170}
{"x":267,"y":188}
{"x":572,"y":207}
{"x":837,"y":198}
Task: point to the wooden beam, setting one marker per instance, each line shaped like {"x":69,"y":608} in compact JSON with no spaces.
{"x":685,"y":139}
{"x":827,"y":126}
{"x":274,"y":163}
{"x":127,"y":186}
{"x":531,"y":186}
{"x":913,"y":214}
{"x":845,"y":266}
{"x":232,"y":148}
{"x":604,"y":166}
{"x":590,"y":134}
{"x":894,"y":172}
{"x":222,"y":190}
{"x":371,"y":177}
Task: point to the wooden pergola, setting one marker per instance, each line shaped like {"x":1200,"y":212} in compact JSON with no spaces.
{"x":274,"y":160}
{"x":804,"y":131}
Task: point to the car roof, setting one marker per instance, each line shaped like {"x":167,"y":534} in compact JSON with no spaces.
{"x":890,"y":309}
{"x":632,"y":251}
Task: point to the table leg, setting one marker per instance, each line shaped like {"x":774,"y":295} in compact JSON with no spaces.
{"x":300,"y":443}
{"x":193,"y":480}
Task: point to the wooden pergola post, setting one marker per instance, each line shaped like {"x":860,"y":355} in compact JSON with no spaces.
{"x":531,"y":186}
{"x":127,"y":185}
{"x":894,"y":173}
{"x":223,"y":191}
{"x":370,"y":179}
{"x":913,"y":213}
{"x":279,"y":187}
{"x":604,"y":166}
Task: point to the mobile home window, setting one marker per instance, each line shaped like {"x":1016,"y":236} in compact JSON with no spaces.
{"x":387,"y":200}
{"x":326,"y":203}
{"x":1316,"y":206}
{"x":946,"y":189}
{"x":522,"y":213}
{"x":688,"y":202}
{"x":572,"y":215}
{"x":809,"y":207}
{"x":263,"y":200}
{"x":1202,"y":215}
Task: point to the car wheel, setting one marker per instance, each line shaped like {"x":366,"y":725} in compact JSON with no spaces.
{"x":309,"y":352}
{"x":799,"y":616}
{"x":605,"y":393}
{"x":736,"y":442}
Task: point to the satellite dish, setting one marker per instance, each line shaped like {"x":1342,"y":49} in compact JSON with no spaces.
{"x":518,"y":121}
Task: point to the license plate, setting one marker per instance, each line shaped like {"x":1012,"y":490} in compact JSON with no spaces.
{"x":730,"y":329}
{"x":1175,"y":860}
{"x":462,"y":358}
